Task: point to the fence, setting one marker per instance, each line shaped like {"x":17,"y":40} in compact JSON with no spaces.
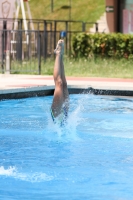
{"x":22,"y":51}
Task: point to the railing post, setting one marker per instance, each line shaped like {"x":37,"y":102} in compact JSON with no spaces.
{"x":55,"y":34}
{"x":4,"y":42}
{"x":83,"y":26}
{"x":2,"y":64}
{"x":45,"y":40}
{"x":39,"y":52}
{"x":19,"y":41}
{"x":8,"y":62}
{"x":96,"y":27}
{"x":29,"y":44}
{"x":66,"y":35}
{"x":70,"y":38}
{"x":51,"y":36}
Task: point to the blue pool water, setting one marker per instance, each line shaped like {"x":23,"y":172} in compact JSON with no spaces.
{"x":91,"y":158}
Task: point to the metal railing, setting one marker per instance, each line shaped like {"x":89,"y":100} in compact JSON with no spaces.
{"x":21,"y":51}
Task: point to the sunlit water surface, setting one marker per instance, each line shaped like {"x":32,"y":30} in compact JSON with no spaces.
{"x":90,"y":158}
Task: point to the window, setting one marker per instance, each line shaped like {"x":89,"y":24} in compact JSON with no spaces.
{"x":127,"y":16}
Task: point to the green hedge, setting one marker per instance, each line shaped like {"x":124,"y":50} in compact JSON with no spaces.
{"x":116,"y":45}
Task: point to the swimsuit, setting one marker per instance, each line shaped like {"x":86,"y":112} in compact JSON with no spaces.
{"x":61,"y":118}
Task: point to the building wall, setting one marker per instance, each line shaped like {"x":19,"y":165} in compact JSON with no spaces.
{"x":120,"y":18}
{"x":6,"y":12}
{"x":111,"y":15}
{"x":127,"y":16}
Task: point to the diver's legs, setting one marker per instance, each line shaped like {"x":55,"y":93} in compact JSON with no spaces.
{"x":64,"y":82}
{"x":58,"y":99}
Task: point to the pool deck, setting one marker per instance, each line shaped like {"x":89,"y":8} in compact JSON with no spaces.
{"x":14,"y":84}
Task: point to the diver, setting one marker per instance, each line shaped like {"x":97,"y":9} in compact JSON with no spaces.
{"x":60,"y":104}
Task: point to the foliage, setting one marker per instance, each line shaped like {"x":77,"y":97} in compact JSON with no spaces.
{"x":116,"y":45}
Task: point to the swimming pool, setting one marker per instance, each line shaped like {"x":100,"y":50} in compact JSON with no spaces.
{"x":90,"y":158}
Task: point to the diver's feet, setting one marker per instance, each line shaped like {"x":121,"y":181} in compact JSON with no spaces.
{"x":59,"y":48}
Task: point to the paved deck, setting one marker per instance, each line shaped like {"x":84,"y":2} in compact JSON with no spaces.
{"x":23,"y":81}
{"x":20,"y":83}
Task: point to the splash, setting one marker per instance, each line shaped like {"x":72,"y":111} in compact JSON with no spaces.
{"x":69,"y":129}
{"x":29,"y":177}
{"x":7,"y":172}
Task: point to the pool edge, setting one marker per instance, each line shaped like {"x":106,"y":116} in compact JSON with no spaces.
{"x":49,"y":90}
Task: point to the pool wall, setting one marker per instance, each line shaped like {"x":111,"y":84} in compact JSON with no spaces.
{"x":49,"y":90}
